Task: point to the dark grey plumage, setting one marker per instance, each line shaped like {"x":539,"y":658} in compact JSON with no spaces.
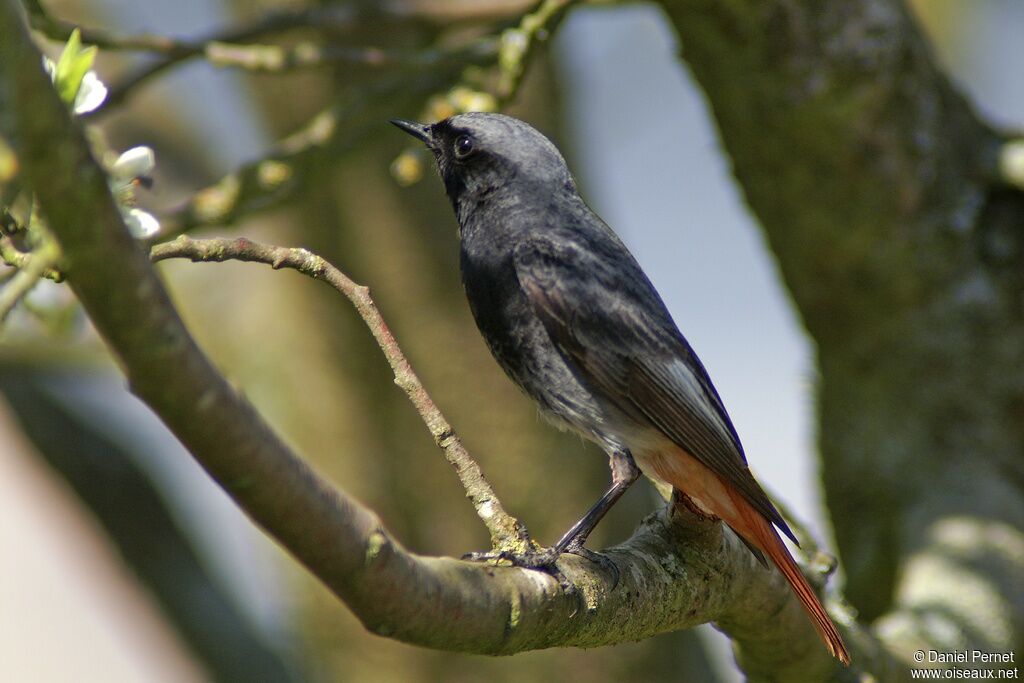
{"x":566,"y":309}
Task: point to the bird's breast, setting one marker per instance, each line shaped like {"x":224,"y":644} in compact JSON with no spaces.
{"x":521,"y":345}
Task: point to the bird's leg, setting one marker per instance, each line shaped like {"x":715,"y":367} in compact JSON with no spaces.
{"x":624,"y":473}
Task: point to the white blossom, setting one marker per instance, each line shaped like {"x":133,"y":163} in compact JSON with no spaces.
{"x":90,"y":95}
{"x":137,"y":162}
{"x":141,"y":224}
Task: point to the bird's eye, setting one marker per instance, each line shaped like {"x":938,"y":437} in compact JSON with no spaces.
{"x":464,"y":146}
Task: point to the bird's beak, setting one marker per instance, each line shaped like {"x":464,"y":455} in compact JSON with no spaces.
{"x":421,"y":131}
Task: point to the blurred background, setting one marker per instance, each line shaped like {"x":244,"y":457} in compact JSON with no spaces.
{"x":123,"y":562}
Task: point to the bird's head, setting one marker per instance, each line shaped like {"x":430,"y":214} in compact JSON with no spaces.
{"x":491,"y":155}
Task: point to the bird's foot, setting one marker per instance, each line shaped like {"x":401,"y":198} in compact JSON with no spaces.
{"x":545,"y":559}
{"x":535,"y":558}
{"x":540,"y":559}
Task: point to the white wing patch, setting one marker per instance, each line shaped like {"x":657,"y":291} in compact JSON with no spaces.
{"x":695,"y":396}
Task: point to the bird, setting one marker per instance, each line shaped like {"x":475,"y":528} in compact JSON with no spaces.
{"x":569,"y":314}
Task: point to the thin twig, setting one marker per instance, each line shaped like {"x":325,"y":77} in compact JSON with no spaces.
{"x":327,"y":17}
{"x":517,"y":44}
{"x":15,"y":258}
{"x":507,"y":533}
{"x":491,"y":89}
{"x":32,"y":270}
{"x":174,"y":51}
{"x":331,"y":16}
{"x":309,"y":55}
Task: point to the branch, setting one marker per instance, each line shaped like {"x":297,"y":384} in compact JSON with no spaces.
{"x":226,"y":46}
{"x":32,"y":268}
{"x":324,"y":18}
{"x":506,"y":532}
{"x":311,"y":55}
{"x":518,"y":44}
{"x":174,"y":51}
{"x":12,"y":256}
{"x":676,"y":572}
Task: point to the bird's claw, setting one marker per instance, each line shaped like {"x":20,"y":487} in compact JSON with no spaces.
{"x":545,"y":559}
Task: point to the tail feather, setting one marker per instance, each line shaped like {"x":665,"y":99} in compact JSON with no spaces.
{"x":757,"y":531}
{"x":714,"y":495}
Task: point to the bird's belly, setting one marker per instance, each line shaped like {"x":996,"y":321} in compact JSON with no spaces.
{"x":528,"y":356}
{"x":541,"y":372}
{"x":518,"y":340}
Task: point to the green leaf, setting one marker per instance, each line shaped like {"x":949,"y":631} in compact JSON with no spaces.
{"x":72,"y":66}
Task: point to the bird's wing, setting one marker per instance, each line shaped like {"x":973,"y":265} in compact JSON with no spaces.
{"x":609,"y":323}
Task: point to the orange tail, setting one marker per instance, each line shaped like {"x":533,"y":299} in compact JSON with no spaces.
{"x":759,"y":532}
{"x":716,"y":496}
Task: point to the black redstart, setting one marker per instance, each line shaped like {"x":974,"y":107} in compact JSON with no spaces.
{"x":573,"y":320}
